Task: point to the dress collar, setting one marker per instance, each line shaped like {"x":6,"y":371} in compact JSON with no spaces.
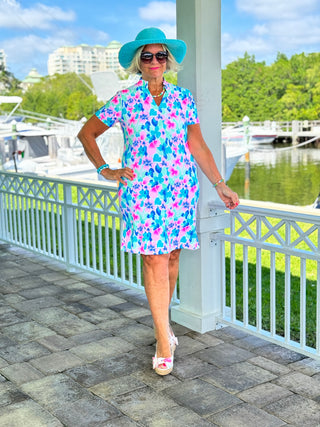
{"x":145,"y":83}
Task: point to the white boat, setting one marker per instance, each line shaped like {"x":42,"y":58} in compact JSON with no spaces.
{"x":256,"y":134}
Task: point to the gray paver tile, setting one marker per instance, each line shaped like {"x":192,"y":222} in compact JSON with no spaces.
{"x":88,"y":375}
{"x":250,"y":342}
{"x":300,"y":384}
{"x":87,"y":337}
{"x":99,"y":350}
{"x":306,"y":366}
{"x":20,"y":373}
{"x":54,"y":391}
{"x":142,"y":403}
{"x":188,"y":346}
{"x":56,"y":362}
{"x":121,"y":422}
{"x":207,"y":339}
{"x":297,"y":410}
{"x":106,"y":300}
{"x":174,"y":417}
{"x":224,"y":355}
{"x":99,"y":316}
{"x":44,"y":290}
{"x":72,"y":327}
{"x":23,"y":352}
{"x":88,"y":412}
{"x":137,"y":334}
{"x":10,"y":394}
{"x":279,"y":354}
{"x":56,"y":342}
{"x":37,"y":304}
{"x":245,"y":415}
{"x":264,"y":394}
{"x":228,"y":334}
{"x":117,"y":386}
{"x":11,"y":318}
{"x":190,"y":367}
{"x":270,"y":365}
{"x":27,"y":331}
{"x":27,"y":414}
{"x":238,"y":377}
{"x":154,"y":381}
{"x":201,"y":397}
{"x":116,"y":324}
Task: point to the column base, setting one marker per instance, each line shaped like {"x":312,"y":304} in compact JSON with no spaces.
{"x":193,"y":321}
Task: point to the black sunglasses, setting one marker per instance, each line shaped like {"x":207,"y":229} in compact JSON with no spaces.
{"x":147,"y":57}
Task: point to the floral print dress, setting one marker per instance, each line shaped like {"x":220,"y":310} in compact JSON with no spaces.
{"x":159,"y":205}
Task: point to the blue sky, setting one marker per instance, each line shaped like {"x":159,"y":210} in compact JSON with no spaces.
{"x":31,"y":29}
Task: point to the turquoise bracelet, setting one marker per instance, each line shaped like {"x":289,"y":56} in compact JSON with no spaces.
{"x":100,"y":168}
{"x":218,"y":182}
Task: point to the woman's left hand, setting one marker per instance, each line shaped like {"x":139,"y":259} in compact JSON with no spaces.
{"x":229,"y":197}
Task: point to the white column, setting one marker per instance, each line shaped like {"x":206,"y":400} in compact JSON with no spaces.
{"x":200,"y":277}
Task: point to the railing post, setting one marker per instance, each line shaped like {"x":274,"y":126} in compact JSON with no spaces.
{"x":69,"y":236}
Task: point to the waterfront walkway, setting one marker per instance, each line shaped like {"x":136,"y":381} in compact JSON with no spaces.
{"x":76,"y":351}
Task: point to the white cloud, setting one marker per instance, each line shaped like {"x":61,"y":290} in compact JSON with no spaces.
{"x":279,"y":27}
{"x":277,"y":9}
{"x":34,"y":47}
{"x":159,"y":11}
{"x":40,"y":16}
{"x":169,"y":30}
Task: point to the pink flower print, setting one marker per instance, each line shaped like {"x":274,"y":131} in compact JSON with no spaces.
{"x":175,"y":205}
{"x":174,"y":172}
{"x":157,"y":231}
{"x":173,"y":115}
{"x":143,"y":135}
{"x":177,"y":162}
{"x":156,"y":189}
{"x":135,"y":217}
{"x":132,"y":120}
{"x":170,"y":214}
{"x":135,"y":165}
{"x":128,"y":233}
{"x":193,"y":189}
{"x":170,"y":124}
{"x":130,"y":131}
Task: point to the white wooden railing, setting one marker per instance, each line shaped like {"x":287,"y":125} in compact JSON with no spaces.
{"x":77,"y":223}
{"x":271,"y":254}
{"x":272,"y":274}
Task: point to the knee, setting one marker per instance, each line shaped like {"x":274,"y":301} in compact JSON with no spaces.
{"x":174,"y":255}
{"x":152,"y":260}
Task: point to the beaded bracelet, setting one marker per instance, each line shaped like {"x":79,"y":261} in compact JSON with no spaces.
{"x":218,"y":182}
{"x":100,"y":168}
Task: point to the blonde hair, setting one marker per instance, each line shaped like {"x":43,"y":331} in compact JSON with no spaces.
{"x":135,"y":66}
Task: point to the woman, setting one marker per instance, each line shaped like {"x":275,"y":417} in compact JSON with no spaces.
{"x":158,"y":185}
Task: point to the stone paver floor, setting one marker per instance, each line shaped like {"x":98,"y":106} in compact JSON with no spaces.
{"x":75,"y":350}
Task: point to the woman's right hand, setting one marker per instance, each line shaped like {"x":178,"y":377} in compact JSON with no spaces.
{"x":118,"y":174}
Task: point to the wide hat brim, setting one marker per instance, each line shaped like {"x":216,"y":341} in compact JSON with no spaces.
{"x":178,"y":48}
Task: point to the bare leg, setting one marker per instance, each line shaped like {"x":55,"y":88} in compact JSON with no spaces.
{"x":157,"y":287}
{"x":173,"y":270}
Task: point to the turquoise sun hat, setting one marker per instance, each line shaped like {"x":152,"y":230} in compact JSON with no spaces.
{"x":151,"y":35}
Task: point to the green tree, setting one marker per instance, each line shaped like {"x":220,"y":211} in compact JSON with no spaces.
{"x":62,"y":95}
{"x":9,"y":84}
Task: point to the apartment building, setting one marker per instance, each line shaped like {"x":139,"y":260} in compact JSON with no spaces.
{"x":3,"y":59}
{"x":84,"y":59}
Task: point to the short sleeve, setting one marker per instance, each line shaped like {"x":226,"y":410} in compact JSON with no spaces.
{"x":111,"y":112}
{"x":191,"y":111}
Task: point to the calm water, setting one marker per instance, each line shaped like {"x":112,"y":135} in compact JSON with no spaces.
{"x":290,"y":177}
